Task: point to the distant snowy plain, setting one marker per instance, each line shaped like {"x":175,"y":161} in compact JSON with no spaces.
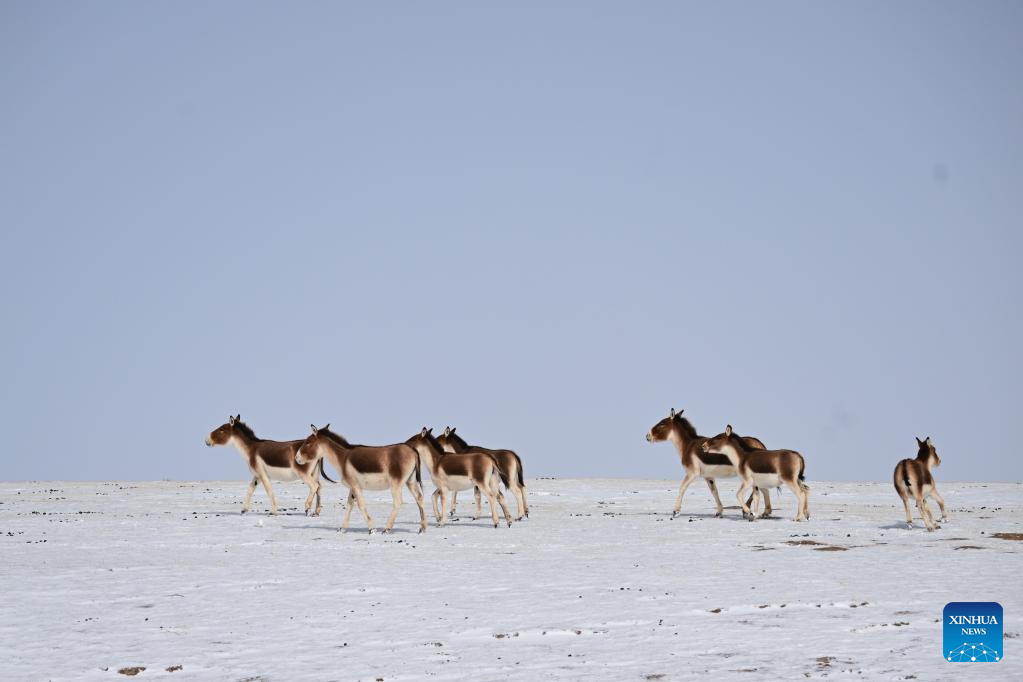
{"x":599,"y":584}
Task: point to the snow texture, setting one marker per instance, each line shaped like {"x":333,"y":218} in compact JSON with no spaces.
{"x":598,"y":584}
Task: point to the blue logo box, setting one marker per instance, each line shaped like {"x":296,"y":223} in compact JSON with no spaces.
{"x":973,"y":632}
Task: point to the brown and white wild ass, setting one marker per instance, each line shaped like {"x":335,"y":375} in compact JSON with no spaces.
{"x":762,"y":469}
{"x":365,"y":467}
{"x":462,"y":471}
{"x":509,"y":462}
{"x":695,"y":461}
{"x":913,"y":477}
{"x":269,"y":460}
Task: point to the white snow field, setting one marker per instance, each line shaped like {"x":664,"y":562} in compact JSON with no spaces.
{"x":598,"y":584}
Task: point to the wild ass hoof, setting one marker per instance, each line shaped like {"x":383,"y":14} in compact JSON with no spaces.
{"x":675,"y":513}
{"x":244,"y":510}
{"x":721,"y":513}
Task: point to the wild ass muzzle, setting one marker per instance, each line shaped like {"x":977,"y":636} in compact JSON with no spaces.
{"x":462,"y":471}
{"x":509,"y":462}
{"x":365,"y":467}
{"x":762,"y":469}
{"x":913,"y":477}
{"x":269,"y":460}
{"x":697,"y":462}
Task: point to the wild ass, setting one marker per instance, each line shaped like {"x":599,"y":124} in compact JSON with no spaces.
{"x":913,"y":477}
{"x":269,"y":460}
{"x":461,"y":471}
{"x":762,"y":469}
{"x":696,"y":462}
{"x":509,"y":462}
{"x":364,"y":467}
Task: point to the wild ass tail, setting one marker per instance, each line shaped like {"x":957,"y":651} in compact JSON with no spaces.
{"x":501,"y":472}
{"x":419,"y":475}
{"x":324,"y":473}
{"x":522,"y":484}
{"x":802,"y":470}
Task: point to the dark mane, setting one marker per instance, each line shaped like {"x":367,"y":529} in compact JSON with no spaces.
{"x":740,"y":445}
{"x":457,"y":441}
{"x":433,"y":441}
{"x":336,"y":437}
{"x":246,"y":431}
{"x":688,"y":430}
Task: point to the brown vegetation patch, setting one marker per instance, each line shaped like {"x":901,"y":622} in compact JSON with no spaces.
{"x":803,"y":542}
{"x":831,"y":548}
{"x":1008,"y":536}
{"x":132,"y":671}
{"x":969,"y":547}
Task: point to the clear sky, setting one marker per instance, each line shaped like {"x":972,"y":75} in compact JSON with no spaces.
{"x":543,"y":222}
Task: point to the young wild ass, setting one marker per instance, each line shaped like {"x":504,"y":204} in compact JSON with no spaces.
{"x":269,"y":460}
{"x":461,"y":471}
{"x":762,"y":469}
{"x":696,"y":462}
{"x":508,"y":461}
{"x":364,"y":467}
{"x":913,"y":477}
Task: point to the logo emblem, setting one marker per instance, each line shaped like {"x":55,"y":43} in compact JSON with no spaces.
{"x":973,"y":632}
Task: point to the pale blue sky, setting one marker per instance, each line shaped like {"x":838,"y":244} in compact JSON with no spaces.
{"x":545,"y":223}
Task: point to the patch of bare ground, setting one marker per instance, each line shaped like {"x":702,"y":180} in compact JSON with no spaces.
{"x":1008,"y":536}
{"x":802,"y":542}
{"x":831,"y":548}
{"x":132,"y":671}
{"x":968,"y":547}
{"x":174,"y":668}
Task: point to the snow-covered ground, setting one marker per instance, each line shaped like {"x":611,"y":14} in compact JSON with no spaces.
{"x":598,"y":584}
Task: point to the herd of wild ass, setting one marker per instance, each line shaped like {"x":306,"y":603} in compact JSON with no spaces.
{"x":455,"y":466}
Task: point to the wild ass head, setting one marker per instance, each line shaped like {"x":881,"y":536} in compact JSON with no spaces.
{"x":727,"y":444}
{"x":309,"y":450}
{"x":451,"y":441}
{"x":426,"y":438}
{"x":927,"y":453}
{"x":662,"y":430}
{"x":223,"y":434}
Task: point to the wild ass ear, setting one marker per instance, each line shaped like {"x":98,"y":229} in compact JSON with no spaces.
{"x":728,"y":429}
{"x":672,"y":413}
{"x":325,"y":427}
{"x":918,"y":441}
{"x":447,"y":430}
{"x":230,"y":419}
{"x":927,"y":440}
{"x":313,"y":427}
{"x":423,"y":432}
{"x":430,"y":430}
{"x":452,"y":431}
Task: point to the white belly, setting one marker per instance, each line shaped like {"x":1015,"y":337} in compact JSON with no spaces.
{"x":717,"y":471}
{"x":281,"y":473}
{"x":766,"y":480}
{"x":373,"y":481}
{"x":456,"y":483}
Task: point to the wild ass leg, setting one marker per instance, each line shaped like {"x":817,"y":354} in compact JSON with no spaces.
{"x":348,"y":511}
{"x":479,"y":503}
{"x":921,"y":505}
{"x":767,"y":503}
{"x":717,"y":499}
{"x":362,"y":507}
{"x":689,"y":478}
{"x":520,"y":502}
{"x":437,"y":508}
{"x":501,"y":501}
{"x":941,"y":503}
{"x":248,"y":498}
{"x":746,"y":513}
{"x":905,"y":503}
{"x":797,"y":490}
{"x":265,"y":480}
{"x":454,"y":503}
{"x":442,"y":517}
{"x":314,"y":491}
{"x":396,"y":498}
{"x":417,"y":495}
